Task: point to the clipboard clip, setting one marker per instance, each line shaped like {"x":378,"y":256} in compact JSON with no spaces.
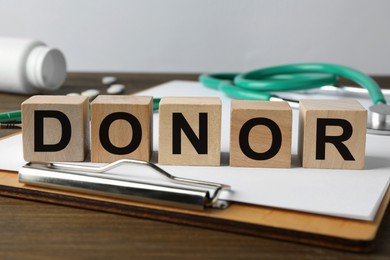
{"x":96,"y":180}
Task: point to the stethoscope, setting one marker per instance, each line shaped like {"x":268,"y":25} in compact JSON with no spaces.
{"x":255,"y":85}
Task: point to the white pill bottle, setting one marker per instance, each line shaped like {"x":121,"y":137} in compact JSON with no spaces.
{"x":28,"y":66}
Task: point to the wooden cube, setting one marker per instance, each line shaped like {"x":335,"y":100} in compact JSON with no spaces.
{"x":121,"y":128}
{"x":55,"y":128}
{"x":260,"y":134}
{"x":190,"y":131}
{"x":332,"y":134}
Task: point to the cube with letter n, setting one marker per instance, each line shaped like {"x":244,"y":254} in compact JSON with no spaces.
{"x":55,"y":128}
{"x":332,"y":134}
{"x":190,"y":131}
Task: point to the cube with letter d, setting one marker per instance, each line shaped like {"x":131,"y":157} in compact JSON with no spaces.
{"x":55,"y":128}
{"x":190,"y":131}
{"x":332,"y":134}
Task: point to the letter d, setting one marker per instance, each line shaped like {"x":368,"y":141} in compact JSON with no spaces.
{"x":66,"y":132}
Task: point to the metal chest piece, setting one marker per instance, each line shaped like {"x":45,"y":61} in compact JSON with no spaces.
{"x":379,"y":119}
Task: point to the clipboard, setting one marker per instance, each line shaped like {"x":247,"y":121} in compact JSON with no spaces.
{"x":319,"y":230}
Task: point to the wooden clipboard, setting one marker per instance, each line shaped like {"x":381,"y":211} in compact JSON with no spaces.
{"x":333,"y":232}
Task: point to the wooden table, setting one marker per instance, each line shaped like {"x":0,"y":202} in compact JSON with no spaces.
{"x":38,"y":230}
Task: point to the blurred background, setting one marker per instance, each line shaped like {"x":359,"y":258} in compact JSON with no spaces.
{"x":192,"y":36}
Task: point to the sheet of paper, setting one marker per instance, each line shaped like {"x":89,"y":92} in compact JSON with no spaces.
{"x":354,"y":194}
{"x":345,"y":193}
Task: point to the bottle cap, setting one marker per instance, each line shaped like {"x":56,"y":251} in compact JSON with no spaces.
{"x":46,"y":68}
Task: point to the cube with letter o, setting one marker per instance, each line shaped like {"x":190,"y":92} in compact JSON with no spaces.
{"x":121,"y":127}
{"x":260,"y":134}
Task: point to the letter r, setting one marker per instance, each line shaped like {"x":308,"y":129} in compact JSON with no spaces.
{"x":337,"y":141}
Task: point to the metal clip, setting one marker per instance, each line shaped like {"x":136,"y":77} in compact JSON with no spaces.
{"x":95,"y":180}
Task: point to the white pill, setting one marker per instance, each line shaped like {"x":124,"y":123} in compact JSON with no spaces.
{"x":108,"y":80}
{"x":73,"y":94}
{"x":116,"y":89}
{"x":92,"y":93}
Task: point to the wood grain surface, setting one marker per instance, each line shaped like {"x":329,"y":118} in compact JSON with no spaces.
{"x":34,"y":230}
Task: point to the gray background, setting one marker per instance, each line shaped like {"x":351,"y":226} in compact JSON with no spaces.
{"x":205,"y":36}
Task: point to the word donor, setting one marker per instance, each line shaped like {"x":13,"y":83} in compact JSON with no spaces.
{"x":332,"y":133}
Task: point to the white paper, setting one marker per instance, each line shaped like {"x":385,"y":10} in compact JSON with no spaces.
{"x":345,"y":193}
{"x":12,"y":153}
{"x":354,"y":194}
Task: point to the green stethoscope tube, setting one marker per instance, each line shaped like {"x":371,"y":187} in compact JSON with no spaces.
{"x":224,"y":82}
{"x":255,"y":84}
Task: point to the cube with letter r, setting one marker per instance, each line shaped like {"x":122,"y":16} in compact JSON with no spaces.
{"x":55,"y":128}
{"x":332,"y":134}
